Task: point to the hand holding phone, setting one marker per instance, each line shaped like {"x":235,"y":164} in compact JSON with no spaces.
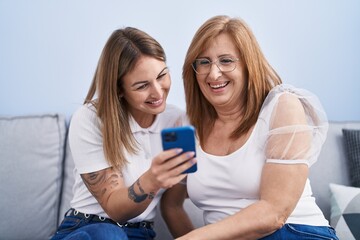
{"x":180,"y":137}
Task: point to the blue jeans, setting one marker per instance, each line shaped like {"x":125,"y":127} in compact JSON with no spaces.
{"x":298,"y":231}
{"x":81,"y":228}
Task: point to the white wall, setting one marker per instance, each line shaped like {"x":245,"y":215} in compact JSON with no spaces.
{"x":49,"y":49}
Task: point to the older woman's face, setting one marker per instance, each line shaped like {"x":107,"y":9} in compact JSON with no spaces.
{"x":222,"y":88}
{"x":146,"y":88}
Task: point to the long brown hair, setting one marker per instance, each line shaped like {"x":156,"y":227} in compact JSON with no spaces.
{"x":261,"y":77}
{"x":119,"y":56}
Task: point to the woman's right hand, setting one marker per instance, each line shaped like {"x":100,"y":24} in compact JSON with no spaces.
{"x":167,"y":167}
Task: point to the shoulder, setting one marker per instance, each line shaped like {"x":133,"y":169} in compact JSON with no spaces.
{"x":286,"y":105}
{"x":288,"y":110}
{"x":288,"y":98}
{"x":85,"y":117}
{"x":84,"y":110}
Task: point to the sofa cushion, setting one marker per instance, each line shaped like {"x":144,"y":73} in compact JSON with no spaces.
{"x":68,"y":182}
{"x":352,"y":146}
{"x":345,"y":211}
{"x":331,"y":166}
{"x":31,"y":155}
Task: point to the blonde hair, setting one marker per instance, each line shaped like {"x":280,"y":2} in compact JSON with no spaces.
{"x":119,"y":56}
{"x":261,"y":77}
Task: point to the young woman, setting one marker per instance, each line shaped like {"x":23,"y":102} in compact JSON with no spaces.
{"x":257,"y":141}
{"x":120,"y":168}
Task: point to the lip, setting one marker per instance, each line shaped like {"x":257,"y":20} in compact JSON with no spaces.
{"x":218,"y":86}
{"x":155,"y":102}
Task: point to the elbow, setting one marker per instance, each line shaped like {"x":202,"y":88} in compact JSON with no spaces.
{"x":119,"y":214}
{"x":120,"y":217}
{"x":115,"y":216}
{"x":272,"y":223}
{"x":279,"y":222}
{"x":278,"y":218}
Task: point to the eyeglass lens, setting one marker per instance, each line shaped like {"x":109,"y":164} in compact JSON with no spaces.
{"x":203,"y":65}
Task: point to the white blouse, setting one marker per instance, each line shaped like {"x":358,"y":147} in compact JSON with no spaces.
{"x":224,"y":185}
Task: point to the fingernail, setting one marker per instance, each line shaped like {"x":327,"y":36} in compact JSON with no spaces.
{"x":190,"y":154}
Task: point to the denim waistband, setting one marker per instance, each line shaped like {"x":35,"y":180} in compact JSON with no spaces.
{"x":95,"y":218}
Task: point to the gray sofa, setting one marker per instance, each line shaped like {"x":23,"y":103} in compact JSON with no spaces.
{"x":36,"y":175}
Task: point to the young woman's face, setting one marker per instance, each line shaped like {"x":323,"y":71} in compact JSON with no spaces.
{"x":220,"y":88}
{"x":146,"y":88}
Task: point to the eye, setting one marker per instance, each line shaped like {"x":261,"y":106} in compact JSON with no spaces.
{"x":226,"y":60}
{"x":202,"y":62}
{"x":142,"y":86}
{"x":161,"y":76}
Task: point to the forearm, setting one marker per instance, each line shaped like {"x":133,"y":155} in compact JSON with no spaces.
{"x":173,"y":211}
{"x":127,"y":203}
{"x":177,"y":221}
{"x":254,"y":222}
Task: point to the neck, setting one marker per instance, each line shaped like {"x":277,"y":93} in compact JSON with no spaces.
{"x":144,"y":120}
{"x":228,"y":115}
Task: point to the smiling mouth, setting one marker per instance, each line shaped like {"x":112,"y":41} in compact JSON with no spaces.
{"x":157,"y":102}
{"x":218,"y":86}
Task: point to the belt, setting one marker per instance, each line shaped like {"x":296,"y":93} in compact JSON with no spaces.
{"x":95,"y":218}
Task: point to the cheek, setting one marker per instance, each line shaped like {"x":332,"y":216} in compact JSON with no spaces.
{"x":200,"y":79}
{"x":167,"y":84}
{"x":201,"y":82}
{"x":133,"y":98}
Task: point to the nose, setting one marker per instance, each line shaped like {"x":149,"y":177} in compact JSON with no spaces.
{"x":157,"y":90}
{"x":215,"y":71}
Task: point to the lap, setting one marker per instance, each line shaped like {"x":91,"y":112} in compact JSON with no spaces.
{"x":72,"y":229}
{"x":80,"y":226}
{"x":98,"y":231}
{"x":299,"y":231}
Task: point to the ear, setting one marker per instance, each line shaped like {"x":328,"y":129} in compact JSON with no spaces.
{"x":120,"y":93}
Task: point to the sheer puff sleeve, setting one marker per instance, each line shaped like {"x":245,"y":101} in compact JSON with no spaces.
{"x":295,"y":125}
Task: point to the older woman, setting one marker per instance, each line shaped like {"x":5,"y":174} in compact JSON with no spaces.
{"x":257,"y":141}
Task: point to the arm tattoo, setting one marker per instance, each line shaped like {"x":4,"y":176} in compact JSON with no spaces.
{"x":151,"y":194}
{"x":98,"y":183}
{"x":139,"y":197}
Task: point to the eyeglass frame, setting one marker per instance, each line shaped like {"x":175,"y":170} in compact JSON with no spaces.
{"x":193,"y":65}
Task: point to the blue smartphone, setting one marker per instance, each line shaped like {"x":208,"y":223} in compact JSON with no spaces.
{"x":180,"y":137}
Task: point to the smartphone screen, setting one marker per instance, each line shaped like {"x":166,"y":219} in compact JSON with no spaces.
{"x":180,"y":137}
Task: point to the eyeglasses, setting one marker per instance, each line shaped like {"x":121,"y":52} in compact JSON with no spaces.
{"x":203,"y":65}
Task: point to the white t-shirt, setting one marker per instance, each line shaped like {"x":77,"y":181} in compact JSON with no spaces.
{"x":224,"y":185}
{"x":86,"y":145}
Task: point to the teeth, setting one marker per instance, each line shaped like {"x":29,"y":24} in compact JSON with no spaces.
{"x":218,"y":85}
{"x":156,"y":102}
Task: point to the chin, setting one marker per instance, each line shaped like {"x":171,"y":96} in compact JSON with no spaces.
{"x":161,"y":108}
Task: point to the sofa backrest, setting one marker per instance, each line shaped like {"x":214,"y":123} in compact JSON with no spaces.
{"x":332,"y":165}
{"x":31,"y":156}
{"x":36,"y":175}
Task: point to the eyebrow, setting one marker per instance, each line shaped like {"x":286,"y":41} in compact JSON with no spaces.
{"x":220,"y":56}
{"x":161,"y":72}
{"x":145,"y":81}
